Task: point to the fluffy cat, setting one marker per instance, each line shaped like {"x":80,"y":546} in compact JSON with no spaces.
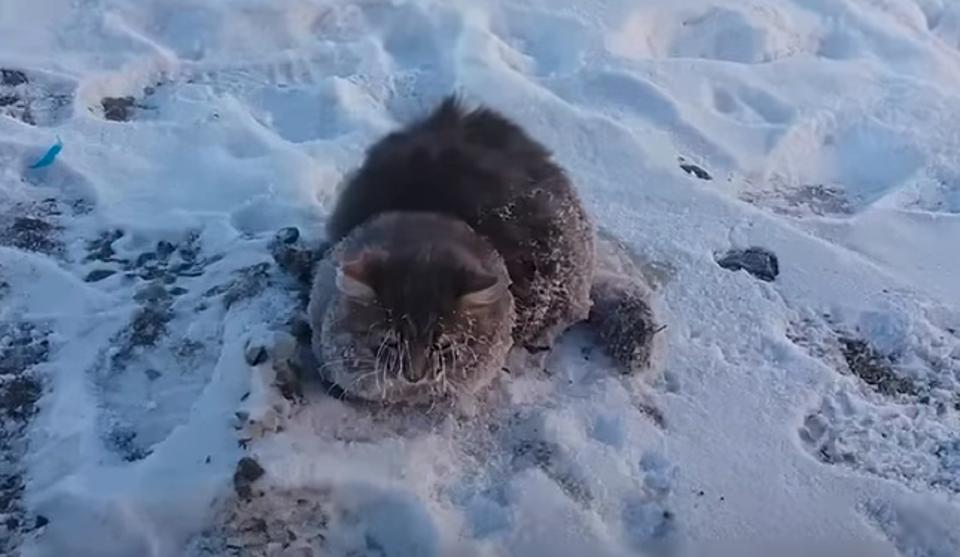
{"x":457,"y":240}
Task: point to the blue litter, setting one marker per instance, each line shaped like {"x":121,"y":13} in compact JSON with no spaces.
{"x":49,"y":156}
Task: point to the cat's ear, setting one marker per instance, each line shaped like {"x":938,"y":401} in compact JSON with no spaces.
{"x":483,"y":290}
{"x":353,"y":278}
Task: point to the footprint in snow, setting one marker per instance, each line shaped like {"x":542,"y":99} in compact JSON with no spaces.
{"x":895,"y":408}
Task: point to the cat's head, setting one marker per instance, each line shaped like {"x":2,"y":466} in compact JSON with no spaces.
{"x":422,"y":309}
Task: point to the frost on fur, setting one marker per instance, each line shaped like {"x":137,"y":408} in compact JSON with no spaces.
{"x":622,"y":314}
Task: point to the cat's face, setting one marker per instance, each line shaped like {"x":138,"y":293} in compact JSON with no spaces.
{"x":415,"y":324}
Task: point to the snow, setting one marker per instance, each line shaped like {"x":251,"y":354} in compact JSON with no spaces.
{"x":815,"y":414}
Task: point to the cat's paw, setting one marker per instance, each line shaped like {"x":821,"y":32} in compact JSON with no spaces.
{"x":276,"y":348}
{"x":291,"y":255}
{"x":275,"y":385}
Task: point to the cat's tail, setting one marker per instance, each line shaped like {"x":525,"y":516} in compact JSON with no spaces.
{"x":623,"y":313}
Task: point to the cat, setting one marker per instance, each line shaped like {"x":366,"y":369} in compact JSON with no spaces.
{"x":458,"y":242}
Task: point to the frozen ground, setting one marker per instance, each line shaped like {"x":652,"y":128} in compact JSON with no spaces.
{"x":817,"y":413}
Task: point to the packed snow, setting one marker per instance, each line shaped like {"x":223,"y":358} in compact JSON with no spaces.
{"x":787,"y":172}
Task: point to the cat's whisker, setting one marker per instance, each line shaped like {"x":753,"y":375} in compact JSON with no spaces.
{"x":357,"y":362}
{"x":404,"y":350}
{"x":455,"y":358}
{"x":441,"y":379}
{"x":382,"y":383}
{"x":362,"y":376}
{"x":383,"y":346}
{"x":377,"y":375}
{"x":433,"y":405}
{"x":443,"y":371}
{"x":395,"y":361}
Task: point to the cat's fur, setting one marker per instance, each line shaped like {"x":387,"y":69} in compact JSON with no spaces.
{"x":422,"y":308}
{"x":457,"y":239}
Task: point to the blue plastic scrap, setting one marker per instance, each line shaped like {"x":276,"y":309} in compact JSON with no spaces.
{"x":49,"y":156}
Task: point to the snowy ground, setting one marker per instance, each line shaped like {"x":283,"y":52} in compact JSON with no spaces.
{"x":818,"y":413}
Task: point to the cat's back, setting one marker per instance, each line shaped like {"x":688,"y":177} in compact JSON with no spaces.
{"x":464,"y":163}
{"x":481,"y":168}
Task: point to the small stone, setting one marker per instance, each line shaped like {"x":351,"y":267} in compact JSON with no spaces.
{"x":152,"y":374}
{"x":759,"y":262}
{"x":117,"y":109}
{"x":178,"y":291}
{"x":12,"y":77}
{"x":248,"y":471}
{"x":288,"y":235}
{"x":28,"y":224}
{"x":151,"y":273}
{"x":149,"y":324}
{"x":41,"y":521}
{"x":255,"y":354}
{"x":696,"y":171}
{"x":165,"y":248}
{"x":151,"y":293}
{"x":98,"y":274}
{"x":145,"y":258}
{"x":254,"y":525}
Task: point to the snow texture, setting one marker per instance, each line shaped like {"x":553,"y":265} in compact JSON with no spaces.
{"x":143,"y":319}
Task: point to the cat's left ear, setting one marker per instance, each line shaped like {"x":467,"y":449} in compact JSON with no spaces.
{"x":483,"y":290}
{"x":353,"y":277}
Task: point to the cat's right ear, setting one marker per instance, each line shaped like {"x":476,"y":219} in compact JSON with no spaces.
{"x":353,"y":280}
{"x":483,"y":290}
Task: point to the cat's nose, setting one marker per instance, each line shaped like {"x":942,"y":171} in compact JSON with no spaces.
{"x":416,"y":370}
{"x":414,"y":374}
